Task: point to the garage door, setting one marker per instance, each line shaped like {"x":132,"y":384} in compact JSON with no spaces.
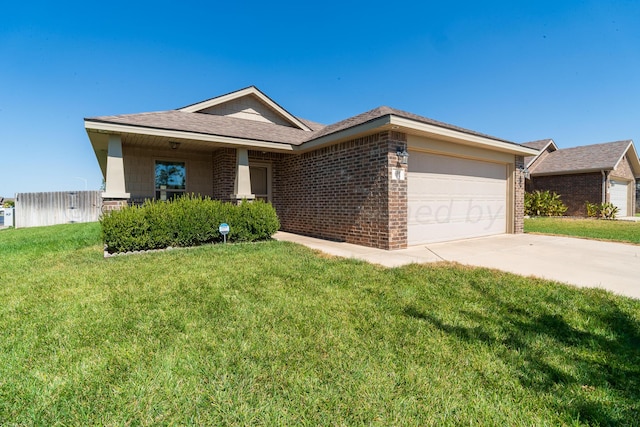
{"x":618,"y":195}
{"x":451,"y":198}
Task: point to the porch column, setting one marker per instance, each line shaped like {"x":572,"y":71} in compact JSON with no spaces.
{"x":242,"y":184}
{"x":115,"y":190}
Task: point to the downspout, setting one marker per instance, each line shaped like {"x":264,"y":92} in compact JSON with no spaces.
{"x":604,"y":186}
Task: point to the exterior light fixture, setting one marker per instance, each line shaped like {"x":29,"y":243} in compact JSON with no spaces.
{"x":523,"y":172}
{"x":403,"y":156}
{"x":174,"y":145}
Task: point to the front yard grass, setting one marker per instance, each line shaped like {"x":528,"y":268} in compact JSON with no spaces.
{"x":619,"y":231}
{"x":273,"y":334}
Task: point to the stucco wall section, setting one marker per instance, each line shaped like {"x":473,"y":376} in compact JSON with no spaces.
{"x":248,"y":108}
{"x":139,"y":170}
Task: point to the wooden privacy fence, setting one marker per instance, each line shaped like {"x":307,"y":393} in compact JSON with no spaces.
{"x":62,"y":207}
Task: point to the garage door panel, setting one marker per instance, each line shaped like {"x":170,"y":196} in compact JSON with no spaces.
{"x":444,"y":165}
{"x":618,"y":195}
{"x":447,"y":202}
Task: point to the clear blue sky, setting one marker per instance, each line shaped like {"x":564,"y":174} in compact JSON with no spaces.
{"x":519,"y":70}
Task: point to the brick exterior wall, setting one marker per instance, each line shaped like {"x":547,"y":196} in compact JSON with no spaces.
{"x":574,"y":190}
{"x":623,"y":170}
{"x":224,"y":173}
{"x":518,"y":225}
{"x":577,"y":189}
{"x":345,"y":192}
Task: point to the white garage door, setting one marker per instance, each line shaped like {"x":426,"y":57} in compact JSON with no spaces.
{"x":451,"y":198}
{"x":618,"y":195}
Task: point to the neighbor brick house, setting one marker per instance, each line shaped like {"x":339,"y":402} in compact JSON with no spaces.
{"x":599,"y":173}
{"x":384,"y":178}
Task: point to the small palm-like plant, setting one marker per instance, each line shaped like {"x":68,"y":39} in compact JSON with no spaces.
{"x":543,"y":203}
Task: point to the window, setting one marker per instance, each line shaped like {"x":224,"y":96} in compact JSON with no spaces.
{"x":171,"y":179}
{"x":261,"y":181}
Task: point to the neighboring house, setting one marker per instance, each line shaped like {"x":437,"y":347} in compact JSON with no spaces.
{"x":597,"y":173}
{"x":384,"y":178}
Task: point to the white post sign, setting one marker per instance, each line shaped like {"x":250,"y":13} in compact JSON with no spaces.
{"x":224,"y":230}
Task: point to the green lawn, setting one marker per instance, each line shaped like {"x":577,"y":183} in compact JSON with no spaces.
{"x":275,"y":334}
{"x":620,"y":231}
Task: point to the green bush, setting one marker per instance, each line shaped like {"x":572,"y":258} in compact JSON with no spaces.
{"x":602,"y":210}
{"x":543,"y":203}
{"x":186,"y":221}
{"x":593,"y":210}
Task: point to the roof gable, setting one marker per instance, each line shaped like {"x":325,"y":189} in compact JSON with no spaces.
{"x":589,"y":158}
{"x":249,"y":104}
{"x":542,"y":145}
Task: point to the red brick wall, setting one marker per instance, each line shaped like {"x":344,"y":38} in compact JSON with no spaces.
{"x":574,"y":190}
{"x":224,"y":173}
{"x":345,"y":192}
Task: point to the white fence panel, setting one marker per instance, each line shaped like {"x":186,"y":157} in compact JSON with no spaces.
{"x":63,"y":207}
{"x":6,"y":217}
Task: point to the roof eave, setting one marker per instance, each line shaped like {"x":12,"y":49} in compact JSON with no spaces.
{"x":107,"y":127}
{"x":461,"y":137}
{"x":571,"y":172}
{"x":344,"y":134}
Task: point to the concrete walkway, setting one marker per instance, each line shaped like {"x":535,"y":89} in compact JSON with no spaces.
{"x":580,"y":262}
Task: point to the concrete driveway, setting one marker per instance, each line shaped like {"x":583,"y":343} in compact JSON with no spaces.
{"x":580,"y":262}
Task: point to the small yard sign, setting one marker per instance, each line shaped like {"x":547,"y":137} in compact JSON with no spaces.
{"x":224,"y":230}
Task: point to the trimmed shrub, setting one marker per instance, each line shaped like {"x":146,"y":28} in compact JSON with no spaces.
{"x":186,"y":221}
{"x":543,"y":203}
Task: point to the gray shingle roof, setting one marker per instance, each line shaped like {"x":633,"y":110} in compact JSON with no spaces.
{"x":382,"y":111}
{"x":581,"y":159}
{"x":209,"y":124}
{"x":536,"y":145}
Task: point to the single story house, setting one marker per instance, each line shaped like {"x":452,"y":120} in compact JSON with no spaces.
{"x":384,"y":178}
{"x":598,"y":173}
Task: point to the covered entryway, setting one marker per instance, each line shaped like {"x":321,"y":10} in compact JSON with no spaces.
{"x":452,"y":198}
{"x":619,"y":196}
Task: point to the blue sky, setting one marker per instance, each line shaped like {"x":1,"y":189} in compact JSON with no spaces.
{"x":519,"y":70}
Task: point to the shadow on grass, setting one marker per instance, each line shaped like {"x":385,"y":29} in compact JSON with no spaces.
{"x":551,"y":356}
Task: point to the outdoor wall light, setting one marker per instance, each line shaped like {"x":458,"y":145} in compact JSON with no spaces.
{"x":523,"y":172}
{"x":403,"y":156}
{"x":174,"y":145}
